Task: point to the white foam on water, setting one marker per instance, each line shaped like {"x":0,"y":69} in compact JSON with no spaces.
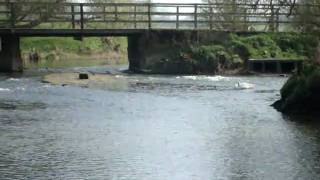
{"x":21,"y":88}
{"x":13,"y":79}
{"x":5,"y":89}
{"x":190,"y":77}
{"x":216,"y":78}
{"x":152,"y":78}
{"x":119,"y":76}
{"x":47,"y":86}
{"x":210,"y":78}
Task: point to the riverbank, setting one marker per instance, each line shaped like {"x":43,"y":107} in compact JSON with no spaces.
{"x":300,"y":94}
{"x":230,"y":55}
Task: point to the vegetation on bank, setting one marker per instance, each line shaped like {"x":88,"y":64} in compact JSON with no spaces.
{"x":52,"y":49}
{"x":232,"y":54}
{"x":301,"y":94}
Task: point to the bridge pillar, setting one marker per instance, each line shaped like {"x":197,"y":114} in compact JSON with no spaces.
{"x":135,"y":53}
{"x":10,"y":57}
{"x":279,"y":67}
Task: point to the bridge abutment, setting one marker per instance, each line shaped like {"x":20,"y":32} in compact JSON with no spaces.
{"x":149,"y":49}
{"x":10,"y":56}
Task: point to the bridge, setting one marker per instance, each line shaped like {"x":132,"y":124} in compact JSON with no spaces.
{"x":147,"y":25}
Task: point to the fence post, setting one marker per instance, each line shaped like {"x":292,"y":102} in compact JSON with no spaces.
{"x":272,"y":25}
{"x":196,"y":16}
{"x":177,"y":23}
{"x":115,"y":12}
{"x":104,"y":13}
{"x":73,"y":17}
{"x":277,"y":19}
{"x":245,"y":25}
{"x":135,"y":16}
{"x":149,"y":16}
{"x":211,"y":17}
{"x":12,"y":15}
{"x":81,"y":17}
{"x":47,"y":10}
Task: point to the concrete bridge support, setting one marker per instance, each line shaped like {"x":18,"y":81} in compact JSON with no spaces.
{"x":154,"y":46}
{"x":10,"y":57}
{"x":135,"y":53}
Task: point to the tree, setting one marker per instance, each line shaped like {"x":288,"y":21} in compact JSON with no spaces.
{"x":30,"y":14}
{"x":238,"y":14}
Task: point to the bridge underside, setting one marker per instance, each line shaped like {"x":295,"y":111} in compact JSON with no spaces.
{"x":145,"y":47}
{"x":10,"y":55}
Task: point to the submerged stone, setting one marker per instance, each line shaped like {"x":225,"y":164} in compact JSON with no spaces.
{"x":83,"y":76}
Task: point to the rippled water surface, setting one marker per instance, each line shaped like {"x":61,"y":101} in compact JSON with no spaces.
{"x":143,"y":127}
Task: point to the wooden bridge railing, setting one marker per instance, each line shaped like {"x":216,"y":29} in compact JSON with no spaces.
{"x":229,"y":17}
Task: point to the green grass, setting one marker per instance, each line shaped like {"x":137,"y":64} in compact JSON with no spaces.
{"x":275,"y":45}
{"x":57,"y":52}
{"x":69,"y":45}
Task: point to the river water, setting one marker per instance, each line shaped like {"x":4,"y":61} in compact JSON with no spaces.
{"x":143,"y":127}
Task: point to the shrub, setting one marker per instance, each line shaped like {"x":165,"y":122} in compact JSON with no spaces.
{"x":301,"y":92}
{"x":301,"y":45}
{"x":211,"y":58}
{"x":240,"y":48}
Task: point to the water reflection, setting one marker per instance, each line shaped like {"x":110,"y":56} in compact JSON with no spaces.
{"x":18,"y":105}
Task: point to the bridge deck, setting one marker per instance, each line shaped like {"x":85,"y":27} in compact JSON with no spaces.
{"x":128,"y":18}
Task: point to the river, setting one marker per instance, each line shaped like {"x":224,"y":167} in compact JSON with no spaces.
{"x":152,"y":127}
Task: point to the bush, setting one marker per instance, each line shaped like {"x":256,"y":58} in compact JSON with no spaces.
{"x":301,"y":92}
{"x":211,"y":58}
{"x":262,"y":46}
{"x":236,"y":50}
{"x":301,"y":45}
{"x":241,"y":49}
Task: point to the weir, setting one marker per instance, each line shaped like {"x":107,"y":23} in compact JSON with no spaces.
{"x":280,"y":66}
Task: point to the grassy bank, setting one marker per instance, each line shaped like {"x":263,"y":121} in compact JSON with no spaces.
{"x":231,"y":55}
{"x":98,"y":51}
